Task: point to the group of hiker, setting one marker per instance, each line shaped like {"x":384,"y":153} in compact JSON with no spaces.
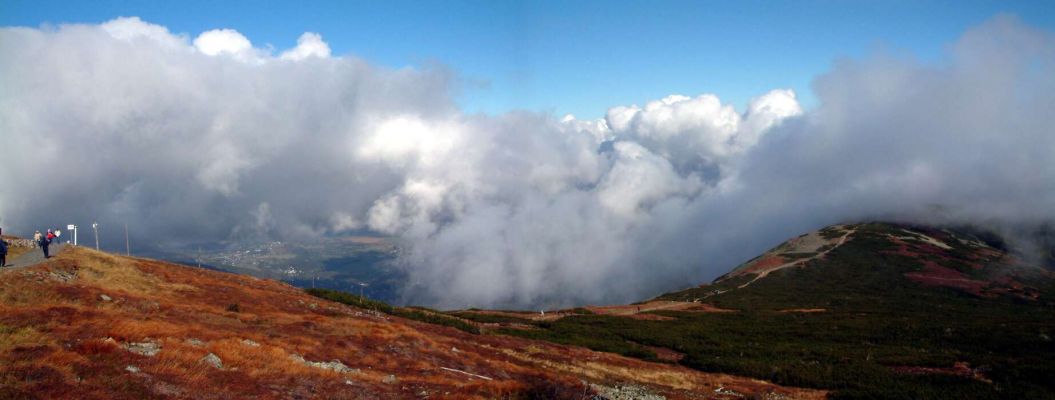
{"x":42,"y":240}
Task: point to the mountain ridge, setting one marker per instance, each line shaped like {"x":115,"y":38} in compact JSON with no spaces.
{"x":868,"y":310}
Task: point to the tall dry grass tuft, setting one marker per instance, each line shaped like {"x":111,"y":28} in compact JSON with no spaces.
{"x":115,"y":273}
{"x":26,"y":336}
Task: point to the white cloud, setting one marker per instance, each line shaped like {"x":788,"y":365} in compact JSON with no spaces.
{"x":133,"y":28}
{"x":700,"y":135}
{"x":309,"y":44}
{"x":637,"y":179}
{"x":224,"y":41}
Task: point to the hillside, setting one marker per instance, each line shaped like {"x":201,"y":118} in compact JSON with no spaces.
{"x":864,"y":310}
{"x":91,"y":325}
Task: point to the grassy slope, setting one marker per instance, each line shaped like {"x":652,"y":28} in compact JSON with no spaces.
{"x":875,"y":320}
{"x":61,"y":339}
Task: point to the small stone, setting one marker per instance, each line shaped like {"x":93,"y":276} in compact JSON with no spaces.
{"x":104,"y":297}
{"x":132,"y":368}
{"x":148,"y":349}
{"x":214,"y":360}
{"x":195,"y":342}
{"x":348,"y":382}
{"x":390,"y":379}
{"x":250,"y":343}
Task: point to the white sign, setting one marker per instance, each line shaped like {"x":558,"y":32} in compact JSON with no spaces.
{"x":69,"y":227}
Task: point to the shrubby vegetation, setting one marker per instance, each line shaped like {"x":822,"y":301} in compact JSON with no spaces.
{"x":874,"y":321}
{"x":489,"y":318}
{"x":414,"y":313}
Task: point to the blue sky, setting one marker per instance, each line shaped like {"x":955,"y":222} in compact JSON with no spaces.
{"x":581,"y":57}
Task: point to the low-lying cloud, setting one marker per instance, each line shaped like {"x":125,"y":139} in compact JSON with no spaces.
{"x":215,"y":138}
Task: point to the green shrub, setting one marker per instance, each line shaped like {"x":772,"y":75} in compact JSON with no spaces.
{"x":415,"y":313}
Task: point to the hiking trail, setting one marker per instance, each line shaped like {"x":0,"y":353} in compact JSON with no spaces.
{"x":35,"y":256}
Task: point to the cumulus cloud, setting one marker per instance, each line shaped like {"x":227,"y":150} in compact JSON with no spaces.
{"x":700,"y":134}
{"x":215,"y":139}
{"x":222,"y":41}
{"x":309,"y":44}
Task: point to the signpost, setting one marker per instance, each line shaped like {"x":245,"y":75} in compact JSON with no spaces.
{"x":95,"y":227}
{"x":72,"y":227}
{"x":361,"y":286}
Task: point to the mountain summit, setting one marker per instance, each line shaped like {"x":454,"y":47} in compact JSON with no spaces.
{"x":869,"y":311}
{"x":884,"y":260}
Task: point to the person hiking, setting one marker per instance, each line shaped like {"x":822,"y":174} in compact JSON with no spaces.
{"x":36,"y":238}
{"x":44,"y":242}
{"x":3,"y":250}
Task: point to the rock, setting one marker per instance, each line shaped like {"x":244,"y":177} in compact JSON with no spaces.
{"x":625,"y":392}
{"x":335,"y":365}
{"x":250,"y":343}
{"x":104,"y":297}
{"x":390,"y":379}
{"x":132,"y":368}
{"x":63,"y":276}
{"x":214,"y":360}
{"x":195,"y":342}
{"x":148,"y":349}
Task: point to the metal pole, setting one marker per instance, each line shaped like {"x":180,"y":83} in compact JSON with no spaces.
{"x":128,"y":249}
{"x":95,"y":227}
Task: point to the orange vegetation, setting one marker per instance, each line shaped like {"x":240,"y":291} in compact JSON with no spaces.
{"x":763,"y":264}
{"x":634,"y":310}
{"x":933,"y":273}
{"x":90,"y":325}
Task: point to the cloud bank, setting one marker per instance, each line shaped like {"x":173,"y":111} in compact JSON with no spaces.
{"x":215,"y":138}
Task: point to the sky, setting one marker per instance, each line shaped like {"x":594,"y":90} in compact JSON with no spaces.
{"x":533,"y":55}
{"x":700,"y":139}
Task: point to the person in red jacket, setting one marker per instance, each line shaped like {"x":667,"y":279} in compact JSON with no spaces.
{"x":45,"y":241}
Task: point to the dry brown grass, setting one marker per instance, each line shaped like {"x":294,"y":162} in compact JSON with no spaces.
{"x":11,"y":337}
{"x":60,"y":339}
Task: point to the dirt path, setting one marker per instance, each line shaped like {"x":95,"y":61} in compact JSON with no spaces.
{"x":35,"y":256}
{"x":763,"y":273}
{"x":635,"y":309}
